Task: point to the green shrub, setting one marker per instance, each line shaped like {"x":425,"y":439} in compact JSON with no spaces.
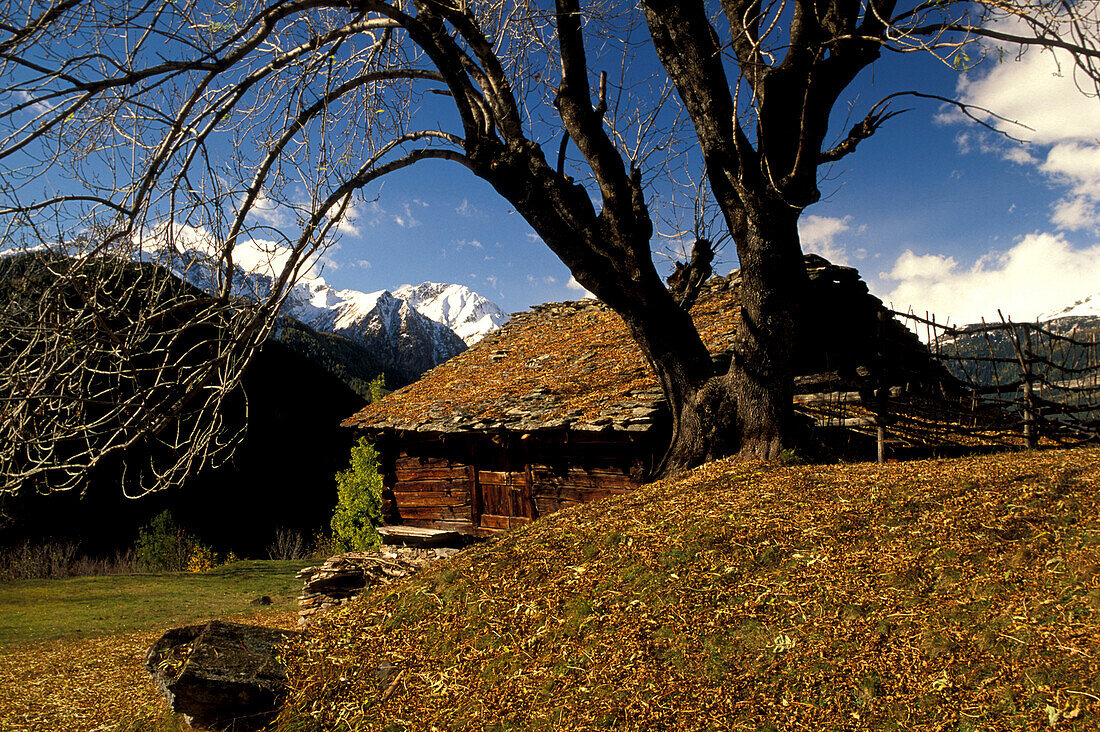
{"x":359,"y":501}
{"x":378,"y":388}
{"x":162,"y":545}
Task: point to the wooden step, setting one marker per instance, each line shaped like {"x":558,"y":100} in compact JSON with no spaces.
{"x":418,"y":536}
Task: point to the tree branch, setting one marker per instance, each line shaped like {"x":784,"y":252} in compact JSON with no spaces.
{"x":686,"y":281}
{"x":859,"y":132}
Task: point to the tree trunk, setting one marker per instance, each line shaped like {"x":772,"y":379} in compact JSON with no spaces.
{"x":747,"y":411}
{"x":761,"y":377}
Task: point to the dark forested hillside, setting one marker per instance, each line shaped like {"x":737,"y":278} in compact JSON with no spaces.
{"x":280,"y":476}
{"x":1073,"y":344}
{"x":344,"y":358}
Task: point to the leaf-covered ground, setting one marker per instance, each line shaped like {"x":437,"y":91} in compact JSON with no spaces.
{"x":93,"y":684}
{"x":84,"y":670}
{"x":931,"y":595}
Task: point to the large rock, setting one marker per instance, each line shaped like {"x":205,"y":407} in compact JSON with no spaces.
{"x":220,"y":675}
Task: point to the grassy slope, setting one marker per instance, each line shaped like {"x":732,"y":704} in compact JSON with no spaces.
{"x":959,"y":595}
{"x":72,"y":651}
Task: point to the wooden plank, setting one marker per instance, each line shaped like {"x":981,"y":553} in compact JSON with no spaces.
{"x":600,"y":479}
{"x":431,"y":499}
{"x":417,"y":536}
{"x":423,"y":461}
{"x":430,"y":486}
{"x":495,"y":476}
{"x":460,"y":526}
{"x":476,"y":499}
{"x":577,"y":494}
{"x":530,"y":510}
{"x":546,"y":505}
{"x":492,"y":521}
{"x":433,"y":511}
{"x":420,"y":512}
{"x":581,"y":479}
{"x":428,"y":473}
{"x":465,"y":527}
{"x":459,"y":493}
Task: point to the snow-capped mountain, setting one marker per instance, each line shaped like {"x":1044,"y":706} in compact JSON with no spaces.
{"x":391,"y":329}
{"x":408,"y":331}
{"x":459,"y":308}
{"x":1086,"y":308}
{"x":406,"y":342}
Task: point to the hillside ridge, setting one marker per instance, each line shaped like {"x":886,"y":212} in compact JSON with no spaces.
{"x":949,"y":594}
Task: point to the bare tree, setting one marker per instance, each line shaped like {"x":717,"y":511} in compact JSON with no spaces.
{"x":759,"y":81}
{"x":130,"y":118}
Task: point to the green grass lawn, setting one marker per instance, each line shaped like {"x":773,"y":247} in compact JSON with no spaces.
{"x":83,"y":607}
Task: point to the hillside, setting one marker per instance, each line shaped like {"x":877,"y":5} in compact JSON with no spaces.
{"x":974,"y":345}
{"x":348,"y":360}
{"x":960,"y":594}
{"x":280,"y":475}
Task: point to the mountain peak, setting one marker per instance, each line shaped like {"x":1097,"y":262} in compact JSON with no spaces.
{"x":1088,"y":307}
{"x":464,"y":311}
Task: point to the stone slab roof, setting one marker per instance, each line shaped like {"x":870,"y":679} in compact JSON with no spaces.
{"x":573,"y":364}
{"x":561,"y":364}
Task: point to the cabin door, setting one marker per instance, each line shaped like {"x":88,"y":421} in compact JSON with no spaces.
{"x":505,"y":499}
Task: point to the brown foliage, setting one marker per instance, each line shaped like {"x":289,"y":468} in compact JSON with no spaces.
{"x":926,"y":595}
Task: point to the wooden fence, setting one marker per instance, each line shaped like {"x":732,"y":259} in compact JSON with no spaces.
{"x":1021,"y":380}
{"x":997,"y":385}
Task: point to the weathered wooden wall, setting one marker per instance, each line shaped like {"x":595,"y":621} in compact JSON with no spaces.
{"x":484,"y":483}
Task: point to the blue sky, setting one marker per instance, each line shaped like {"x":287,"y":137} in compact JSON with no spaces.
{"x":937,"y":213}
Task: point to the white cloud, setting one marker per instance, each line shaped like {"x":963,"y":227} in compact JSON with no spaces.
{"x":37,"y":108}
{"x":1040,"y":273}
{"x":1075,"y":164}
{"x":1075,"y":214}
{"x":362,"y":264}
{"x":1040,"y":90}
{"x":407,"y":221}
{"x":818,"y":235}
{"x":349,"y":223}
{"x":466,"y":209}
{"x":254,"y":255}
{"x":572,"y":284}
{"x":374,"y":213}
{"x":268,"y":212}
{"x":460,"y":244}
{"x":1020,"y":155}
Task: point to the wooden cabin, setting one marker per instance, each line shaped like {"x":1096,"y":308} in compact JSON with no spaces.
{"x":559,"y":407}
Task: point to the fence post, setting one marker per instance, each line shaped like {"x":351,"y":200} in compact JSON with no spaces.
{"x":1023,"y":362}
{"x":1031,"y":432}
{"x":882,"y":389}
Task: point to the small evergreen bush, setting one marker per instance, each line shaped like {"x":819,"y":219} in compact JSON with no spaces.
{"x":359,"y":501}
{"x":378,"y":388}
{"x":162,"y":545}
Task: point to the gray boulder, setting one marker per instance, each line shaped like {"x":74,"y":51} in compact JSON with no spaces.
{"x":220,"y":675}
